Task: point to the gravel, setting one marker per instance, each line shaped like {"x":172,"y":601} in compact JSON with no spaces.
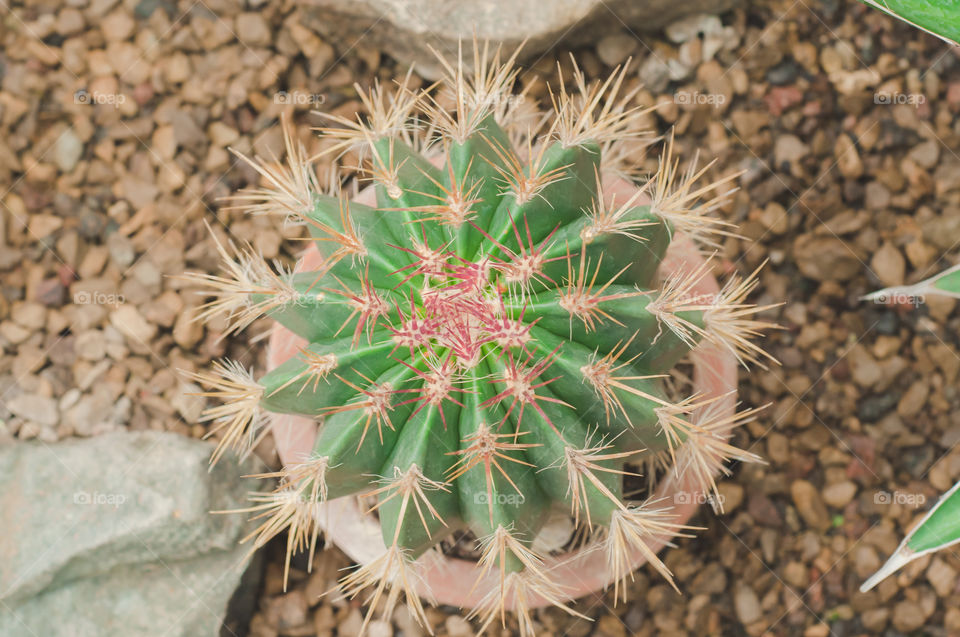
{"x":116,"y":119}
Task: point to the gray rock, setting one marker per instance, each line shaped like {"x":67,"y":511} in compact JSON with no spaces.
{"x":407,"y":28}
{"x":113,"y":536}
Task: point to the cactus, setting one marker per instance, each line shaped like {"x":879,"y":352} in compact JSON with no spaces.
{"x":488,"y":342}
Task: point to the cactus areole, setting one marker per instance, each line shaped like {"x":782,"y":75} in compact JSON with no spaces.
{"x":489,"y":343}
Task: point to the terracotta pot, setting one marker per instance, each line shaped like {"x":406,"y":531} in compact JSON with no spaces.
{"x":452,"y":580}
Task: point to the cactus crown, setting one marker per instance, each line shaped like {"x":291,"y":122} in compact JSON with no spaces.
{"x":486,"y":340}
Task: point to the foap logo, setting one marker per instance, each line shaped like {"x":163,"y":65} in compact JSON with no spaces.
{"x":498,"y":100}
{"x":707,"y":298}
{"x":504,"y":499}
{"x":96,"y":98}
{"x":299,"y":98}
{"x":85,"y":498}
{"x":696,"y":98}
{"x":902,"y":498}
{"x":98,"y":298}
{"x":898,"y":298}
{"x":698,"y":498}
{"x":893,"y":99}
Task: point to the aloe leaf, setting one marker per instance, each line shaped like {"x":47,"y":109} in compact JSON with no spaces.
{"x":938,"y":529}
{"x":937,"y":17}
{"x":947,"y":283}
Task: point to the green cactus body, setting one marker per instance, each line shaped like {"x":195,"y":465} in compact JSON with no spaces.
{"x":489,"y":342}
{"x":459,"y":309}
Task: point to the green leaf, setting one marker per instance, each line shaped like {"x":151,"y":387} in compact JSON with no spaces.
{"x":938,"y":529}
{"x":947,"y":283}
{"x":937,"y":17}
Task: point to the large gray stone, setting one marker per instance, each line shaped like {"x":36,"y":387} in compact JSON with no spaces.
{"x":113,"y":535}
{"x":407,"y":28}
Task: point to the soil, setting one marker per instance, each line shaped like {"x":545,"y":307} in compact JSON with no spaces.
{"x":115,"y":125}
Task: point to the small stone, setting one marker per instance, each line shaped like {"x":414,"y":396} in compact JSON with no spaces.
{"x":854,"y":82}
{"x":379,"y":628}
{"x":29,"y":360}
{"x":942,"y":577}
{"x":252,"y":29}
{"x":30,"y":315}
{"x":875,"y":619}
{"x":809,"y":505}
{"x":654,"y":74}
{"x":121,"y":250}
{"x":795,"y":574}
{"x":876,"y":196}
{"x":131,"y":324}
{"x":457,"y":626}
{"x":51,"y":292}
{"x":14,"y":333}
{"x":825,"y":258}
{"x":614,"y":49}
{"x":848,"y":159}
{"x":864,"y":368}
{"x":44,"y":225}
{"x":947,"y":360}
{"x":38,"y":409}
{"x":805,"y":53}
{"x":914,"y":399}
{"x":889,"y":265}
{"x":222,"y":135}
{"x":189,"y":403}
{"x":747,"y":604}
{"x":774,"y":218}
{"x":70,"y":21}
{"x":287,"y":611}
{"x":817,"y":630}
{"x":920,"y":254}
{"x":840,"y":494}
{"x":908,"y":616}
{"x":308,"y":41}
{"x":87,"y":417}
{"x":951,"y":621}
{"x":117,"y":26}
{"x":782,"y":98}
{"x":873,"y":407}
{"x":783,"y":73}
{"x":177,"y":68}
{"x":830,"y":60}
{"x":139,"y":192}
{"x":90,"y":345}
{"x":926,"y":154}
{"x":748,"y":123}
{"x":67,"y":151}
{"x":352,"y":624}
{"x":691,"y":27}
{"x":164,"y":142}
{"x":187,"y":331}
{"x":731,"y":496}
{"x":788,"y":149}
{"x":778,"y":447}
